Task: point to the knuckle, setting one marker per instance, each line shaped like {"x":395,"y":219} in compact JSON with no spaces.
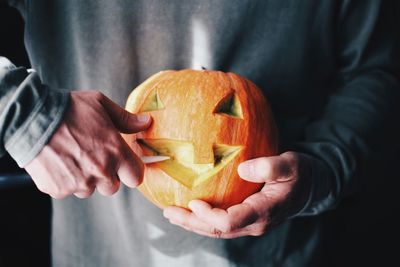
{"x":108,"y":188}
{"x":258,"y":233}
{"x":91,"y":165}
{"x":133,"y":180}
{"x":63,"y":192}
{"x":59,"y":195}
{"x":97,"y":95}
{"x":226,"y":227}
{"x":86,"y":189}
{"x":290,"y":156}
{"x":88,"y":184}
{"x":84,"y":194}
{"x":109,"y":183}
{"x":102,"y":171}
{"x":117,"y":146}
{"x":259,"y":230}
{"x":291,"y":160}
{"x":115,"y":151}
{"x":216,"y":233}
{"x":96,"y":167}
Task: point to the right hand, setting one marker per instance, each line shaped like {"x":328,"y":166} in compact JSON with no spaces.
{"x":87,"y":151}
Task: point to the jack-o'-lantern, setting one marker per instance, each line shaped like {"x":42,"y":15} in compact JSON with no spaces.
{"x":207,"y":122}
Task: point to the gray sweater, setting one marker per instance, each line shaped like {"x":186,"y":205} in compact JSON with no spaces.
{"x":329,"y":69}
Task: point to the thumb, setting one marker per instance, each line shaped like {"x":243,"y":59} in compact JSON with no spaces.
{"x":266,"y":170}
{"x":123,"y":120}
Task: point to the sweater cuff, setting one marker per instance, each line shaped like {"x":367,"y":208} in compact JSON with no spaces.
{"x":26,"y":141}
{"x":326,"y":188}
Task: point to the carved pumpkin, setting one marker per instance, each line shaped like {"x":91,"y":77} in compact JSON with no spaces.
{"x":208,"y":122}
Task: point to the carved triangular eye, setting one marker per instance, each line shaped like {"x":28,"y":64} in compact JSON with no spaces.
{"x":230,"y":105}
{"x":152,"y":102}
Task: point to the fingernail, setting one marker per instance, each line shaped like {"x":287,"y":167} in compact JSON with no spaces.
{"x":246,"y":169}
{"x":166,"y":213}
{"x":192,"y":205}
{"x":143,"y":117}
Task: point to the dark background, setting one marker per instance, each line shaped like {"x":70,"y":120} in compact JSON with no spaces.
{"x":24,"y":211}
{"x":362,"y":231}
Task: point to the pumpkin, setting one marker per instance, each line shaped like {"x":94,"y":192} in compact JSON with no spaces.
{"x":207,"y":122}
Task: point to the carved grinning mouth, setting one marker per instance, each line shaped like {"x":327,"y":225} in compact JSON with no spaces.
{"x":181,"y":166}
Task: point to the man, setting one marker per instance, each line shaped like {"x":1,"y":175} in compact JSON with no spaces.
{"x":327,"y":67}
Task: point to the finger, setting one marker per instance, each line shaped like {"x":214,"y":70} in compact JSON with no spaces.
{"x":85,"y":193}
{"x":190,"y":222}
{"x":123,"y":120}
{"x":265,"y":169}
{"x":186,"y":219}
{"x":233,"y":218}
{"x":215,"y":233}
{"x":108,"y":187}
{"x":234,"y":234}
{"x":86,"y":187}
{"x":255,"y":229}
{"x":131,"y":168}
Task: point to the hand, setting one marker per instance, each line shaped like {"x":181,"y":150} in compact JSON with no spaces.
{"x":286,"y":190}
{"x":87,"y":150}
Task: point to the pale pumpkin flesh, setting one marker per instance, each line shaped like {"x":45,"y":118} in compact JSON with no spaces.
{"x":153,"y":102}
{"x":181,"y":165}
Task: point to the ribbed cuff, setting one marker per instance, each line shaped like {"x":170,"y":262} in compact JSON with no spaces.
{"x":36,"y":130}
{"x":325,"y":188}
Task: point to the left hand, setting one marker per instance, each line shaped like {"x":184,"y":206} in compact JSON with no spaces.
{"x":286,"y":190}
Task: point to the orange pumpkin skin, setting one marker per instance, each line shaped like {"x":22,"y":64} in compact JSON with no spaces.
{"x":192,"y":107}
